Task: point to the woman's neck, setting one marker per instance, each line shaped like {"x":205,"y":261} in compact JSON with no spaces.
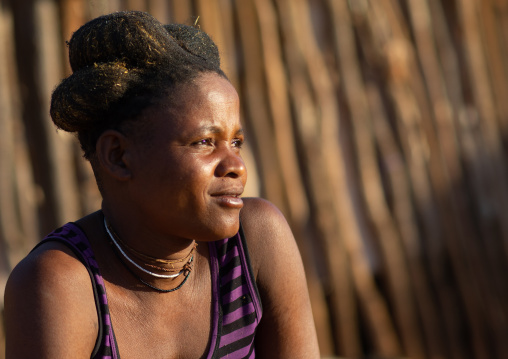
{"x":134,"y":232}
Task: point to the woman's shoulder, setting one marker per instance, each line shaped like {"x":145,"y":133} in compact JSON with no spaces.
{"x":257,"y":210}
{"x":261,"y":219}
{"x":49,"y":286}
{"x":49,"y":263}
{"x":266,"y":230}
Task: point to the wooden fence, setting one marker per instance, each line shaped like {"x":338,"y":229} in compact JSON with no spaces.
{"x":379,"y":127}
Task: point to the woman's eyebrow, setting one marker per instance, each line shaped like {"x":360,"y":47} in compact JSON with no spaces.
{"x":217,"y":129}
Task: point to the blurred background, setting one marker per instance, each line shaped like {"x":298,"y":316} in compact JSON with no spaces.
{"x":379,"y":128}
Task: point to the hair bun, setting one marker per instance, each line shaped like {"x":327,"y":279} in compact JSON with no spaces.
{"x":196,"y":42}
{"x":83,"y":99}
{"x":134,"y":38}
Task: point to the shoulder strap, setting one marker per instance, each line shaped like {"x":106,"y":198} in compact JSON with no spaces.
{"x":73,"y":237}
{"x":240,"y":305}
{"x":244,"y":252}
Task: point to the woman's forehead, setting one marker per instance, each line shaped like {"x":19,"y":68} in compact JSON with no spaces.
{"x":211,"y":87}
{"x":208,"y":90}
{"x":208,"y":101}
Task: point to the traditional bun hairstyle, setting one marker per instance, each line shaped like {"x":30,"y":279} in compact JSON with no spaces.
{"x":122,"y":63}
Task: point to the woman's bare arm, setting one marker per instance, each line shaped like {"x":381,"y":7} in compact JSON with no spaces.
{"x":287,"y":328}
{"x":49,"y":307}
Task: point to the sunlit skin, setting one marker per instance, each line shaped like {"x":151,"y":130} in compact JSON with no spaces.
{"x":185,"y":178}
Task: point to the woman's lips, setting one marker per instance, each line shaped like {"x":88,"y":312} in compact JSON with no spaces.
{"x":229,"y":199}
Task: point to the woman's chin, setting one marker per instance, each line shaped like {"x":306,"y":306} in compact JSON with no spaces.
{"x":217,"y":234}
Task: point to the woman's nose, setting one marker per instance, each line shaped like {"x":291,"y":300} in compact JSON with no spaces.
{"x":231,"y":164}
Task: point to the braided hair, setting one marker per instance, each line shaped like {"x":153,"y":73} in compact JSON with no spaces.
{"x":123,"y":63}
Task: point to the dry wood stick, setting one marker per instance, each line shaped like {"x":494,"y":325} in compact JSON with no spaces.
{"x":449,"y":205}
{"x":498,"y":73}
{"x":280,"y":110}
{"x":182,"y":12}
{"x":500,"y":8}
{"x":393,"y":160}
{"x":277,"y":94}
{"x":138,"y":5}
{"x":483,"y":149}
{"x":100,"y":7}
{"x":420,"y":117}
{"x":39,"y":69}
{"x":72,"y":17}
{"x":321,"y":194}
{"x":63,"y":188}
{"x":15,"y":239}
{"x":449,"y":60}
{"x":326,"y":123}
{"x":498,"y":69}
{"x":423,"y":31}
{"x":255,"y":104}
{"x":398,"y":58}
{"x":491,"y":242}
{"x":9,"y":225}
{"x":159,"y":9}
{"x":380,"y":324}
{"x":211,"y":19}
{"x":494,"y":48}
{"x":382,"y":327}
{"x":228,"y":54}
{"x":72,"y":14}
{"x":389,"y":240}
{"x":496,"y":176}
{"x":2,"y":334}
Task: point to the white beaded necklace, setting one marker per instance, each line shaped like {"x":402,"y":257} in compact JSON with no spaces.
{"x":166,"y":276}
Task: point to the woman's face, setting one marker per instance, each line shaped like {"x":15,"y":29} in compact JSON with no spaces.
{"x":187,"y":171}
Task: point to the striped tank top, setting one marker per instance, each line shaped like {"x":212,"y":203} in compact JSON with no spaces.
{"x":235,"y":299}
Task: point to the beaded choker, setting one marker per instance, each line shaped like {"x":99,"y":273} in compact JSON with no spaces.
{"x":174,"y":267}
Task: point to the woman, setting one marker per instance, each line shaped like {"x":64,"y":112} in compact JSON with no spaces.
{"x":176,"y":264}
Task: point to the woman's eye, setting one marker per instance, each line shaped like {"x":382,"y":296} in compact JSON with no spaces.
{"x":237,"y":142}
{"x":204,"y":142}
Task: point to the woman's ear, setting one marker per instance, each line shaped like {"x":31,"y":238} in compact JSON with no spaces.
{"x":111,"y":152}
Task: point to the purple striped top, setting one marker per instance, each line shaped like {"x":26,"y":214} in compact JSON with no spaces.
{"x":235,"y":299}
